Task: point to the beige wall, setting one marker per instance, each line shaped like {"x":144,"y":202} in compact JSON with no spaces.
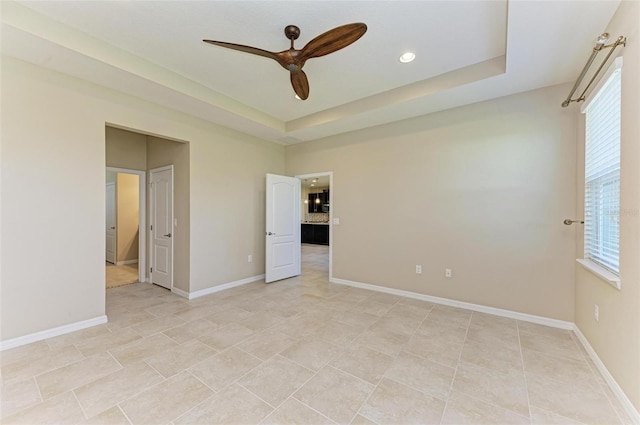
{"x":128,"y":216}
{"x":53,"y":148}
{"x":616,"y":336}
{"x":161,"y":152}
{"x":125,"y":149}
{"x":481,"y":189}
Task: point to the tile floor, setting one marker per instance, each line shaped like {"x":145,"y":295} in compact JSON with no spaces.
{"x":120,"y":275}
{"x":302,"y":351}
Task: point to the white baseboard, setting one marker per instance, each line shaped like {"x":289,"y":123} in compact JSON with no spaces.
{"x":461,"y":304}
{"x":50,"y":333}
{"x":218,"y":288}
{"x":180,"y":292}
{"x":624,"y":400}
{"x":125,"y":262}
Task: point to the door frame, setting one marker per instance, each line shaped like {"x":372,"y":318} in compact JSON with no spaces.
{"x":173,"y":220}
{"x":142,"y":219}
{"x":330,"y":174}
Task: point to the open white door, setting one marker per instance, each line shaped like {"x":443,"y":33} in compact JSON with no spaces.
{"x":282,"y":227}
{"x":111,"y":222}
{"x":161,"y":201}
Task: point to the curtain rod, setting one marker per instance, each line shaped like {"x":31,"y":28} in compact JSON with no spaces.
{"x":600,"y":45}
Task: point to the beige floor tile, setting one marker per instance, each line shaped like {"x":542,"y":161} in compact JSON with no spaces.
{"x":129,"y":318}
{"x":496,"y":337}
{"x":226,"y":336}
{"x":504,"y":324}
{"x":396,"y":324}
{"x":113,"y":416}
{"x":17,"y":396}
{"x":234,"y":405}
{"x":422,"y":374}
{"x":190,"y":330}
{"x":262,"y":320}
{"x":356,"y":318}
{"x":76,"y":374}
{"x":195,"y":312}
{"x":24,"y":353}
{"x":336,"y":332}
{"x":383,"y":341}
{"x":166,"y":401}
{"x":442,"y":330}
{"x":224,"y":368}
{"x":425,"y":305}
{"x":100,"y":343}
{"x":442,"y":349}
{"x":142,"y":349}
{"x":507,"y":390}
{"x":292,"y":412}
{"x":116,"y":387}
{"x":394,"y":403}
{"x":31,"y":366}
{"x":558,"y":346}
{"x":450,"y":315}
{"x":361,"y":420}
{"x":267,"y":343}
{"x":312,"y":353}
{"x":364,"y":363}
{"x":230,"y":315}
{"x":335,"y":394}
{"x":175,"y":360}
{"x":490,"y":356}
{"x":373,"y":307}
{"x":548,"y":331}
{"x":384,"y":298}
{"x":544,"y":417}
{"x":570,"y":400}
{"x":77,"y":337}
{"x":60,"y":410}
{"x":409,"y":310}
{"x":462,"y":409}
{"x":560,"y":368}
{"x":158,"y":325}
{"x":169,"y":308}
{"x":275,"y":380}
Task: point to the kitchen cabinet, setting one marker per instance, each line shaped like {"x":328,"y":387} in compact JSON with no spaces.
{"x":316,"y":207}
{"x":315,"y":233}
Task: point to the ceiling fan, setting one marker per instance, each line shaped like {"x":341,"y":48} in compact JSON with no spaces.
{"x":294,"y":59}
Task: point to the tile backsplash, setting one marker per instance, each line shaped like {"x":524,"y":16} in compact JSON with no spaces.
{"x":317,"y":217}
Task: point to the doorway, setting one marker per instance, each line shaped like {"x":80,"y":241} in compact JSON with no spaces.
{"x":316,"y":218}
{"x":125,"y":253}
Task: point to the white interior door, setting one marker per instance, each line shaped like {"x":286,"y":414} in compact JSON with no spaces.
{"x":162,"y":226}
{"x":282,"y":227}
{"x":111,"y":223}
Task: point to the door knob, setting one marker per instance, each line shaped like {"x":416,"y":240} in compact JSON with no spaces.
{"x":168,"y":235}
{"x":270,"y":234}
{"x":569,"y":222}
{"x":112,"y":228}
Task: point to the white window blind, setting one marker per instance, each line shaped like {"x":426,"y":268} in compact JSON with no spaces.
{"x":602,"y":175}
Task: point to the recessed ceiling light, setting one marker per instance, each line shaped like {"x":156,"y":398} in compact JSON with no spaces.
{"x":407,"y":57}
{"x":312,"y":184}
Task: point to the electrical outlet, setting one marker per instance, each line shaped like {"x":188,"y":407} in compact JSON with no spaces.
{"x":250,"y":258}
{"x":448,"y":273}
{"x":596,"y":312}
{"x":418,"y":269}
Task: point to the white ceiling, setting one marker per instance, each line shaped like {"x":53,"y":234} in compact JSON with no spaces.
{"x":467,"y":51}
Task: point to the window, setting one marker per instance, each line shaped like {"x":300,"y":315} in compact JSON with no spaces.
{"x":602,"y":173}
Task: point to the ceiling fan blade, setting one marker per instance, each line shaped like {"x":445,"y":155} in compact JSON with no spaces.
{"x":333,"y":40}
{"x":300,"y":84}
{"x":246,"y":49}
